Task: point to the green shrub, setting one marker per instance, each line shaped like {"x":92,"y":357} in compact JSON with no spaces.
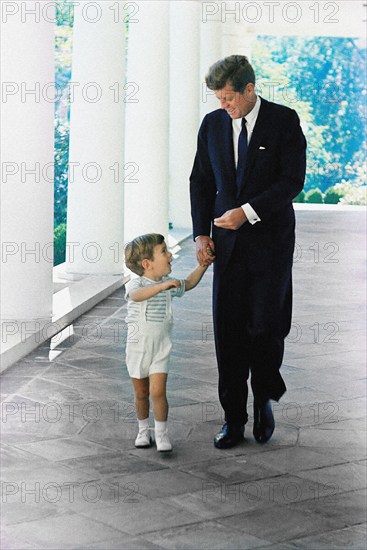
{"x":59,"y":244}
{"x":300,"y":197}
{"x":333,"y":195}
{"x":314,"y":196}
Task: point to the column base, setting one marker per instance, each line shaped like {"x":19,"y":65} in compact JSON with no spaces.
{"x":21,"y":336}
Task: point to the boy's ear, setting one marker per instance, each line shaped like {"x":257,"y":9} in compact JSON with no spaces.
{"x":145,"y":264}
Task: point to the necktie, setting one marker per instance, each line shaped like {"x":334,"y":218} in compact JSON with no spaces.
{"x":242,"y":154}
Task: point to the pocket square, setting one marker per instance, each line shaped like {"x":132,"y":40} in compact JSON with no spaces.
{"x":261,"y":147}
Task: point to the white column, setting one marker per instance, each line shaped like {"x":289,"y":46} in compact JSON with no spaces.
{"x":184,"y":105}
{"x":96,"y":174}
{"x":147,"y":111}
{"x":27,"y":144}
{"x":237,"y":39}
{"x":211,"y":29}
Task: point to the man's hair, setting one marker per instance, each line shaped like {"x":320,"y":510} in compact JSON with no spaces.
{"x":234,"y":70}
{"x":139,"y":249}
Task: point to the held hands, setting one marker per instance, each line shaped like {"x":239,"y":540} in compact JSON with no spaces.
{"x":232,"y":219}
{"x":205,"y":251}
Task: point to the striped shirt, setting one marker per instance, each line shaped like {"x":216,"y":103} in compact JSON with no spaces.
{"x":156,"y":305}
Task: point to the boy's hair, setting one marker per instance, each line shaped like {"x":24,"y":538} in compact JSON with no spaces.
{"x":235,"y":70}
{"x":139,"y":249}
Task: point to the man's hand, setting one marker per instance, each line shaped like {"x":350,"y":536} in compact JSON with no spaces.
{"x":232,"y":219}
{"x":205,"y":250}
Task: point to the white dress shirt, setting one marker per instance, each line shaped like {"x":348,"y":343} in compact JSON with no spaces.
{"x":251,"y":118}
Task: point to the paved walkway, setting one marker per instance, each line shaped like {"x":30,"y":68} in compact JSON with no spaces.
{"x":72,"y":478}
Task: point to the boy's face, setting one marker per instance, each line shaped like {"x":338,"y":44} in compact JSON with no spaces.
{"x":160,"y":265}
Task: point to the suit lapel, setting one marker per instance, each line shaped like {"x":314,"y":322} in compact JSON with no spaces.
{"x":227,"y":148}
{"x":257,"y":134}
{"x":255,"y":142}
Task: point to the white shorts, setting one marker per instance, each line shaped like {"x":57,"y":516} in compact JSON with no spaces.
{"x":148,"y":351}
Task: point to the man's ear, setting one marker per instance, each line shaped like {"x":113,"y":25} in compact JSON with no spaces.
{"x":250,"y":87}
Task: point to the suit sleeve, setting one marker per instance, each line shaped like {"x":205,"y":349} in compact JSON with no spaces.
{"x":290,"y":176}
{"x":202,"y":186}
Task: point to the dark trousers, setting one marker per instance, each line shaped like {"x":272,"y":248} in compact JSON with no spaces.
{"x":252,"y":304}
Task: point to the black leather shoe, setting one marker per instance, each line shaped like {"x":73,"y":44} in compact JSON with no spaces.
{"x":228,"y":436}
{"x":263,"y":422}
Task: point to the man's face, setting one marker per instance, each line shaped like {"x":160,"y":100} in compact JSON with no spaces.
{"x":237,"y":105}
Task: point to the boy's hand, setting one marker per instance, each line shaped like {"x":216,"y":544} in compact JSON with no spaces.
{"x":173,"y":283}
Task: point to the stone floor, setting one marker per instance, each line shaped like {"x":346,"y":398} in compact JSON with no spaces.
{"x":72,"y":478}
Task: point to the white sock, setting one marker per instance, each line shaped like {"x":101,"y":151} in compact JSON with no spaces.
{"x":143,"y":424}
{"x":160,"y":426}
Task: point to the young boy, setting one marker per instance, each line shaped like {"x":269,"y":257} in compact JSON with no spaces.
{"x":149,"y":318}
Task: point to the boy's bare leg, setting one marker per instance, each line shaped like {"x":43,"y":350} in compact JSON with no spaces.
{"x":157,"y":384}
{"x":141,"y":391}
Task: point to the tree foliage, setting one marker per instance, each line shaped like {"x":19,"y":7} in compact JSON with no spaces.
{"x":321,"y":78}
{"x":63,"y":66}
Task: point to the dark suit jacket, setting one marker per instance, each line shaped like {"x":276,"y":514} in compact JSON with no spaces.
{"x":274,"y":175}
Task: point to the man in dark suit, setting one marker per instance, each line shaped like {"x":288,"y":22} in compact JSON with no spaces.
{"x":249,"y":165}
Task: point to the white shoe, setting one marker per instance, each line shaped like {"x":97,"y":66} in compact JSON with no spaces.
{"x":143,"y":438}
{"x":162,"y":441}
